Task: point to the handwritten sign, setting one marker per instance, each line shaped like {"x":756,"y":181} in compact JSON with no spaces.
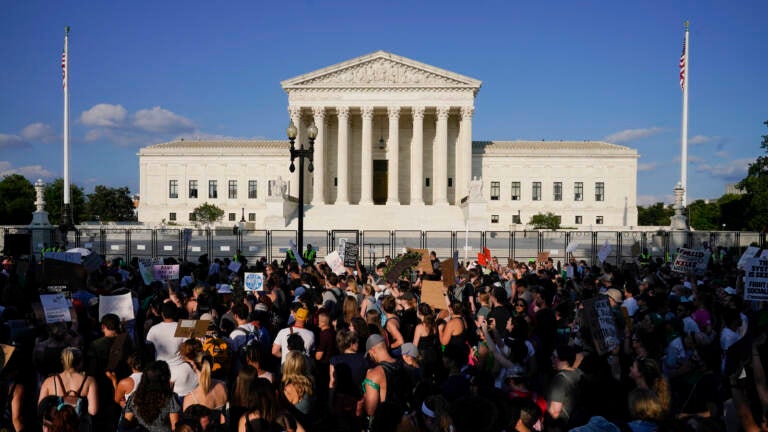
{"x":120,"y":305}
{"x":432,"y":294}
{"x":690,"y":260}
{"x":253,"y":281}
{"x":751,"y":252}
{"x":604,"y":251}
{"x":351,"y":254}
{"x":447,"y":270}
{"x":756,"y":279}
{"x":55,"y":308}
{"x":145,"y":269}
{"x":335,"y":262}
{"x":166,"y":272}
{"x":542,"y":257}
{"x":192,"y":328}
{"x":601,"y":323}
{"x":234,"y":266}
{"x":425,"y":265}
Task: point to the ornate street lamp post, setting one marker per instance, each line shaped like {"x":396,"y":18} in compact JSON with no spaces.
{"x":301,"y":153}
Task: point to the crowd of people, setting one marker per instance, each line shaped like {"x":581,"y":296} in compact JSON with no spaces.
{"x":511,"y":347}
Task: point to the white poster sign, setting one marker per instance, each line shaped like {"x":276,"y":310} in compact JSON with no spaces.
{"x":234,"y":266}
{"x":602,"y":255}
{"x":120,"y":305}
{"x":751,"y":252}
{"x":571,"y":248}
{"x":55,"y":308}
{"x":756,"y":279}
{"x":296,"y":253}
{"x":691,"y":260}
{"x":336,"y":263}
{"x":166,"y":272}
{"x":253,"y":281}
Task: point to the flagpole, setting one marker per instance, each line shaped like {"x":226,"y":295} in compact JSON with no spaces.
{"x":66,"y":209}
{"x":685,"y":66}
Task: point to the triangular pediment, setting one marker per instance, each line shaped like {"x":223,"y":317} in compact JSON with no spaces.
{"x":381,"y":69}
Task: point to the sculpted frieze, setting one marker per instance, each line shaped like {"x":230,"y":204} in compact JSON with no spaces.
{"x":382,"y":72}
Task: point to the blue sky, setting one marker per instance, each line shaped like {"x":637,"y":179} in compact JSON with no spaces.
{"x":144,"y":72}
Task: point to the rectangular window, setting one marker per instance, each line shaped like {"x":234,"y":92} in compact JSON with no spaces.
{"x":557,"y":191}
{"x":193,"y":188}
{"x":599,"y":191}
{"x":251,"y":217}
{"x":232,"y":217}
{"x":426,"y":182}
{"x":515,"y":191}
{"x":173,"y":188}
{"x":599,"y":220}
{"x":335,"y":181}
{"x":578,"y":191}
{"x":252,"y":191}
{"x":536,"y":191}
{"x":495,"y":219}
{"x":450,"y":181}
{"x":495,"y":190}
{"x":172,"y":217}
{"x":516,"y":219}
{"x":578,"y":220}
{"x":213,"y":189}
{"x":193,"y":217}
{"x":232,"y":189}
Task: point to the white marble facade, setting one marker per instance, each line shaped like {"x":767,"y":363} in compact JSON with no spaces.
{"x":394,"y":151}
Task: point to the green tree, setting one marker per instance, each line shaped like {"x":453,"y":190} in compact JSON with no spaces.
{"x":654,"y":215}
{"x":704,"y":216}
{"x":732,"y":210}
{"x":17,"y":200}
{"x":208,"y":213}
{"x":755,"y":186}
{"x":111,"y":204}
{"x":545,"y":221}
{"x":54,"y":201}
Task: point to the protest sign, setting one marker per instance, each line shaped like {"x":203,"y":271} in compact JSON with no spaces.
{"x":120,"y":305}
{"x":296,"y":253}
{"x":602,"y":325}
{"x":751,"y":252}
{"x":55,"y":308}
{"x":447,"y":270}
{"x":351,"y":254}
{"x":334,"y":261}
{"x":60,"y":273}
{"x":166,"y":272}
{"x":192,"y":328}
{"x":253,"y":281}
{"x":542,"y":257}
{"x":224,"y":288}
{"x":145,"y":269}
{"x":425,"y":264}
{"x":234,"y":266}
{"x":432,"y":294}
{"x":70,"y":257}
{"x":690,"y":260}
{"x":756,"y":279}
{"x":604,"y":251}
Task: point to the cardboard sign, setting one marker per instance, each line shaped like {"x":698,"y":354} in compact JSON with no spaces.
{"x":756,"y":279}
{"x":432,"y":294}
{"x":253,"y":282}
{"x":166,"y":272}
{"x":234,"y":266}
{"x":425,"y":265}
{"x":447,"y":270}
{"x":55,"y":308}
{"x":351,"y":254}
{"x":604,"y":251}
{"x":602,"y":326}
{"x":572,"y":246}
{"x":334,"y":261}
{"x":192,"y":328}
{"x":70,"y":257}
{"x":690,"y":260}
{"x":542,"y":257}
{"x":61,"y":273}
{"x":751,"y":252}
{"x":120,"y":305}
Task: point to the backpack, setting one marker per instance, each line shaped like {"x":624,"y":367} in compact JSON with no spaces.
{"x":73,"y":398}
{"x":252,"y":338}
{"x":218,"y":349}
{"x":399,"y":385}
{"x":338,"y":307}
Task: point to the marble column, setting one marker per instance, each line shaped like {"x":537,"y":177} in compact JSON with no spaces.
{"x":417,"y":157}
{"x":393,"y":150}
{"x":295,"y":112}
{"x":318,"y":186}
{"x":366,"y":170}
{"x":464,"y":153}
{"x":342,"y":191}
{"x":440,"y":159}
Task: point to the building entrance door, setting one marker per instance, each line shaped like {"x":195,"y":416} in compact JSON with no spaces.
{"x":380,"y":181}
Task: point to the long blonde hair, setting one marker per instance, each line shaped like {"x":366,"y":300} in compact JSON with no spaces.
{"x":296,"y":373}
{"x":71,"y":358}
{"x":204,"y":363}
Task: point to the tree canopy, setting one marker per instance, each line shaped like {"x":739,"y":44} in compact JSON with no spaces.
{"x":54,"y":201}
{"x":18,"y":200}
{"x":755,"y":186}
{"x":111,"y":204}
{"x":208,"y":213}
{"x":545,"y":221}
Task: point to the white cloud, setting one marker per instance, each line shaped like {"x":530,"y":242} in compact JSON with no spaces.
{"x":104,"y":115}
{"x":722,"y":154}
{"x":39,"y":132}
{"x":8,"y":141}
{"x":632,"y":134}
{"x":729,"y":170}
{"x":650,"y":166}
{"x":30,"y":171}
{"x":646,"y":200}
{"x":702,"y":139}
{"x":159,"y":120}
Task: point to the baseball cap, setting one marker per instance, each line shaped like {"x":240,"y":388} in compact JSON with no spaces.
{"x":373,"y":340}
{"x":301,"y":314}
{"x":615,"y":295}
{"x":409,"y":349}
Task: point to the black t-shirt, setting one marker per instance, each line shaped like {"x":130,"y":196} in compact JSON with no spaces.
{"x":349,"y":372}
{"x":408,"y":322}
{"x":500,"y":315}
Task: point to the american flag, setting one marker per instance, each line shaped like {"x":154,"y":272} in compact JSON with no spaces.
{"x":682,"y":66}
{"x":64,"y":69}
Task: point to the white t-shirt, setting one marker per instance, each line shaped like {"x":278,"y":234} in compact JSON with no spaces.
{"x":166,"y":345}
{"x":282,"y":340}
{"x":183,"y":377}
{"x":631,"y":304}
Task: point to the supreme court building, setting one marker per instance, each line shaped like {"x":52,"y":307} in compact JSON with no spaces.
{"x":394,"y":150}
